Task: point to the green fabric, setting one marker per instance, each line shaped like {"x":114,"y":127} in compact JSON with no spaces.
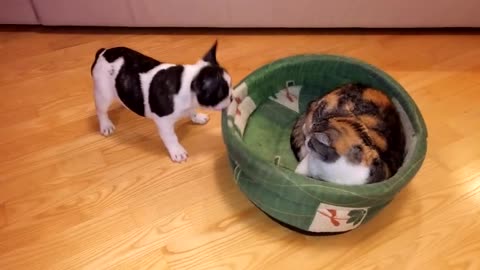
{"x":263,"y":162}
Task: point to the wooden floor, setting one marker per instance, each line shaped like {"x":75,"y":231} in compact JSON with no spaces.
{"x":72,"y":199}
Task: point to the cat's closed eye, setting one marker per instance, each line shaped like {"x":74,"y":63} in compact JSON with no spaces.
{"x":322,"y":150}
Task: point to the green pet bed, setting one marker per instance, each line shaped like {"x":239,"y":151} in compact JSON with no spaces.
{"x":256,"y":130}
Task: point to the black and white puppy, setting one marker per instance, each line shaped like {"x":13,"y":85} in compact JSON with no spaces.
{"x":160,"y":91}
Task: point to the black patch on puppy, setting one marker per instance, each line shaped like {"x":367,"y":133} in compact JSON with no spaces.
{"x":135,"y":61}
{"x":129,"y":90}
{"x":165,"y":84}
{"x":127,"y":81}
{"x":210,"y":86}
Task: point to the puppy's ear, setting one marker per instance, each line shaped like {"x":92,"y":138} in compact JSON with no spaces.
{"x":211,"y":55}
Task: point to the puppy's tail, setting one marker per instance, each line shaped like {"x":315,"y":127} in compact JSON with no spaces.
{"x":100,"y":51}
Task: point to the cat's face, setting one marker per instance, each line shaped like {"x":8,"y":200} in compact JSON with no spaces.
{"x":213,"y":84}
{"x":342,"y":148}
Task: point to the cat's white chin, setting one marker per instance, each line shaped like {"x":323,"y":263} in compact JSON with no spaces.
{"x":340,"y":172}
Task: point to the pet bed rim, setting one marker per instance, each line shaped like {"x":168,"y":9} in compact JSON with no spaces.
{"x":379,"y":189}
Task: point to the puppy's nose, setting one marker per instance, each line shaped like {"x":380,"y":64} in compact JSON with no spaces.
{"x":231,"y":98}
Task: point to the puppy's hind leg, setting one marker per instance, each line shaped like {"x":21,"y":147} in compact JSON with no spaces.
{"x":104,"y":96}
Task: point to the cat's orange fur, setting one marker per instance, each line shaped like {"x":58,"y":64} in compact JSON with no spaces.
{"x":359,"y":118}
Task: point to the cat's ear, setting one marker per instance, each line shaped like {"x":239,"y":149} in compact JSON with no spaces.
{"x":211,"y":55}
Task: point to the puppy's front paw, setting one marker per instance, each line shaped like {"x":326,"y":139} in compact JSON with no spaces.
{"x":107,"y":128}
{"x":178,"y":153}
{"x":200,"y":118}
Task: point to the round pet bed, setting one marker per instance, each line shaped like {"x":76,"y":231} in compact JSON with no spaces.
{"x":256,"y":130}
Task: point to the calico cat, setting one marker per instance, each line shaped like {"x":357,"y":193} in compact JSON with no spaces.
{"x":351,"y":136}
